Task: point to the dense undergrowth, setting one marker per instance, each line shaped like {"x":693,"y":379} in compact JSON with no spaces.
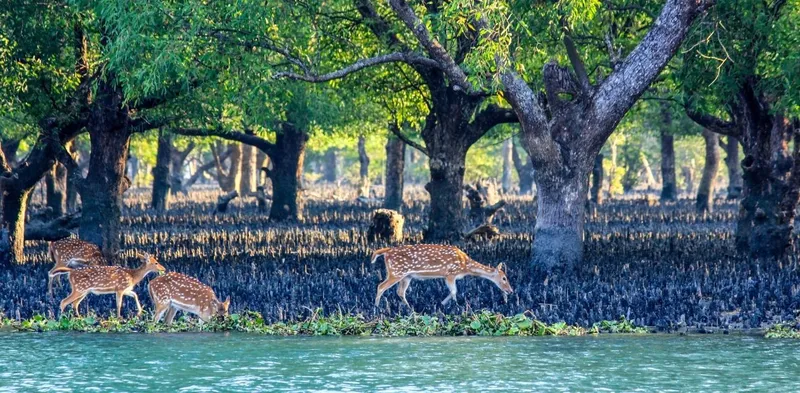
{"x":484,"y":323}
{"x":661,"y":266}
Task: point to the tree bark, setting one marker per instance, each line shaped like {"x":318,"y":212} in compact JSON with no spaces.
{"x":55,"y":180}
{"x":247,"y":185}
{"x":161,"y":178}
{"x":708,"y":182}
{"x":524,"y":170}
{"x":507,"y":164}
{"x":363,"y":171}
{"x":395,"y":163}
{"x":72,"y":187}
{"x":669,"y":189}
{"x":14,"y":206}
{"x":230,"y":179}
{"x":597,"y":180}
{"x":558,"y":239}
{"x":287,"y":169}
{"x":733,"y":164}
{"x":330,"y":167}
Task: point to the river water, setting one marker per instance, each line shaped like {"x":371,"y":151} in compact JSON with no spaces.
{"x":239,"y":362}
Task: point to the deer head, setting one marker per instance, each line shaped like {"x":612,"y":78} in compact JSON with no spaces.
{"x":150,"y":264}
{"x":499,"y":278}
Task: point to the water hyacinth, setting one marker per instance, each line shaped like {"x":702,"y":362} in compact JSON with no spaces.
{"x":660,"y":266}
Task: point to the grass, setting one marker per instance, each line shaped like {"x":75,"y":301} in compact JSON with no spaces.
{"x":484,"y":323}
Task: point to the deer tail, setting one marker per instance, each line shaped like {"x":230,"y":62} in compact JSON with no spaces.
{"x":378,"y":253}
{"x":51,"y":251}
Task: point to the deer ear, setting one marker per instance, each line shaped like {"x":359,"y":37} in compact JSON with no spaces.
{"x":227,"y":302}
{"x":500,"y":267}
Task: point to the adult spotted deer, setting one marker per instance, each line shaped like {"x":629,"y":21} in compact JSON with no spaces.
{"x":71,"y":253}
{"x":175,"y":291}
{"x":427,"y":261}
{"x":104,"y":280}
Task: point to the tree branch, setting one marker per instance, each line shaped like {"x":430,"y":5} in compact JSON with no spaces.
{"x":403,"y":57}
{"x":631,"y":78}
{"x":577,"y":64}
{"x":713,"y":123}
{"x":253,"y":140}
{"x":395,"y":129}
{"x":431,"y":45}
{"x":491,"y":116}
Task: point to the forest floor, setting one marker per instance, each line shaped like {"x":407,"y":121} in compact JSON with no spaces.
{"x":664,"y":267}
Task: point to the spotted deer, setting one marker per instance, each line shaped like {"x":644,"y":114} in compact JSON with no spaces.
{"x":105,"y":280}
{"x":428,"y":261}
{"x":175,"y":291}
{"x":71,"y":253}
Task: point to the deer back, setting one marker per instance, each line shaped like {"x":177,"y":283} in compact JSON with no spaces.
{"x":66,"y":251}
{"x":426,"y":259}
{"x":183,"y":289}
{"x":100,"y":278}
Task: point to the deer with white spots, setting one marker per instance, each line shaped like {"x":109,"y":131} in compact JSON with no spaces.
{"x":175,"y":291}
{"x":105,"y":280}
{"x":71,"y":253}
{"x":428,"y":261}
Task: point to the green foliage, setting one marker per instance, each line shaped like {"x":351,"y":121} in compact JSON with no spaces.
{"x":622,"y":325}
{"x":484,"y":323}
{"x":784,"y":330}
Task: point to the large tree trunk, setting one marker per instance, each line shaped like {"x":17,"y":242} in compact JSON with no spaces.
{"x":330,"y":166}
{"x":708,"y":182}
{"x":161,"y":180}
{"x":101,"y":190}
{"x":72,"y":187}
{"x":363,"y":170}
{"x":558,"y":240}
{"x":669,"y":190}
{"x":395,"y":163}
{"x":56,"y":180}
{"x":229,"y":179}
{"x":507,"y":164}
{"x":287,"y":168}
{"x":597,"y":180}
{"x":14,"y":204}
{"x":524,"y":170}
{"x":247,"y":185}
{"x":734,"y":168}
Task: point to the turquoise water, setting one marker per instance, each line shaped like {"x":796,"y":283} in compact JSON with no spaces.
{"x":237,"y":362}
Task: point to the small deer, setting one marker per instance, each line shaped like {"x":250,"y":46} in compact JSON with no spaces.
{"x":175,"y":291}
{"x":427,"y":261}
{"x":103,"y":280}
{"x":71,"y":253}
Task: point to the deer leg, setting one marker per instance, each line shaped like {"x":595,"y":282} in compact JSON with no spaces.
{"x":401,"y":291}
{"x":159,"y":312}
{"x":120,"y":295}
{"x":77,"y":304}
{"x":451,"y":284}
{"x":385,"y":285}
{"x":136,"y":299}
{"x":69,"y":300}
{"x":170,"y":315}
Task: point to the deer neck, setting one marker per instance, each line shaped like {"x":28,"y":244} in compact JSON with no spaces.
{"x":139,"y":273}
{"x":477,"y":269}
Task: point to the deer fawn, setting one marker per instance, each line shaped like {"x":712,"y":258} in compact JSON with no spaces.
{"x":175,"y":291}
{"x":71,"y":253}
{"x":103,"y":280}
{"x":427,"y":261}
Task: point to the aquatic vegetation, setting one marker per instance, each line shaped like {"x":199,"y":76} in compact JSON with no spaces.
{"x":621,"y":325}
{"x":783,"y":330}
{"x":484,"y":323}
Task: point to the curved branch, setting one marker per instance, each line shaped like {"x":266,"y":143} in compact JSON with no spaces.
{"x":253,"y":140}
{"x":402,"y":57}
{"x":431,"y":45}
{"x":631,"y":78}
{"x":395,"y":129}
{"x":577,"y":64}
{"x":713,"y":123}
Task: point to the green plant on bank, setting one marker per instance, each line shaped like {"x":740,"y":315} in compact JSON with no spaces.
{"x":484,"y":323}
{"x":622,"y":325}
{"x":783,"y":330}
